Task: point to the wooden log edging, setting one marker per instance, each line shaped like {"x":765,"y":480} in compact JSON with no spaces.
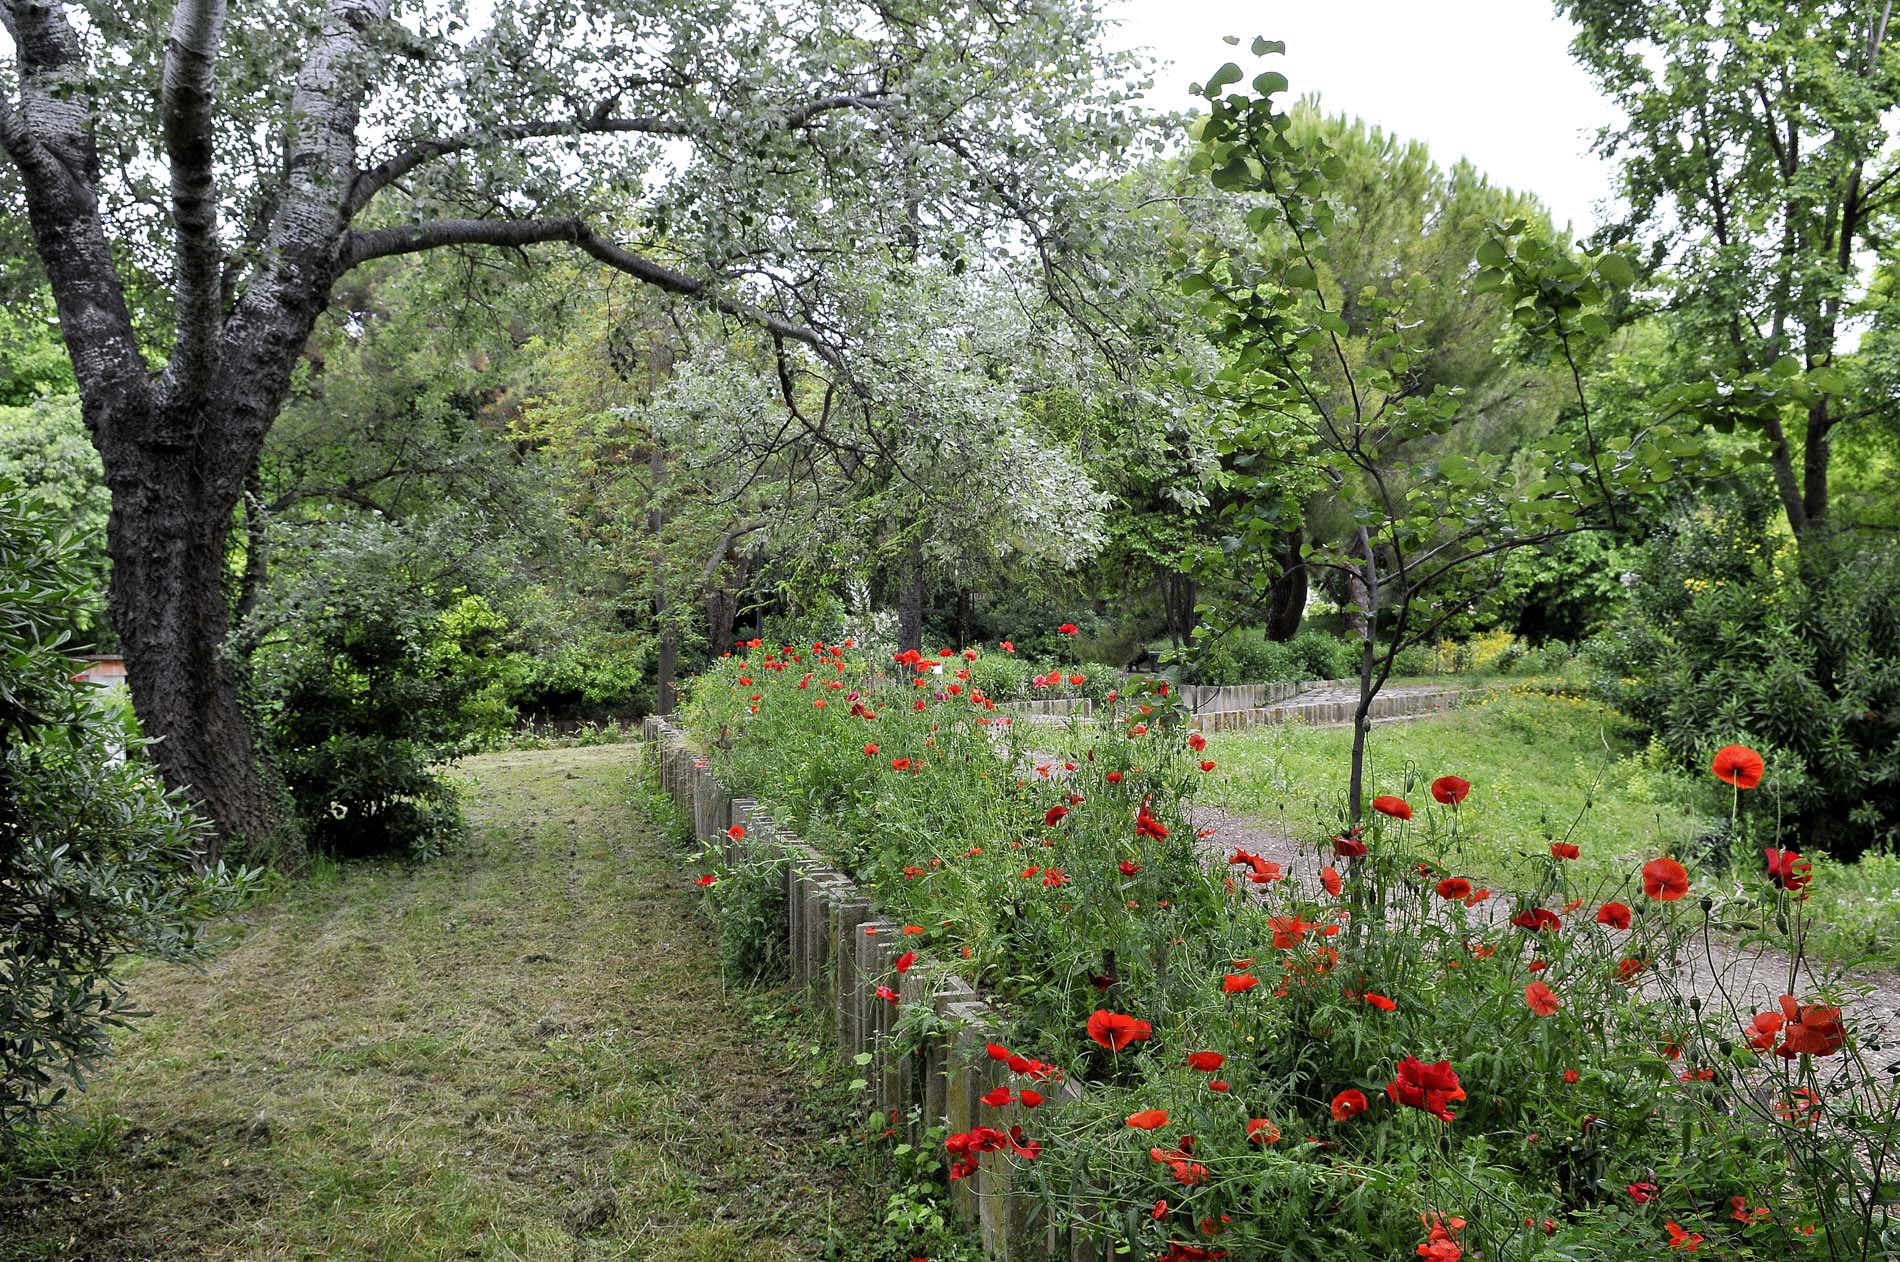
{"x":831,"y":954}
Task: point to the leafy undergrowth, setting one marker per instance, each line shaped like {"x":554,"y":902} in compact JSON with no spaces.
{"x":1543,"y":767}
{"x":520,"y":1051}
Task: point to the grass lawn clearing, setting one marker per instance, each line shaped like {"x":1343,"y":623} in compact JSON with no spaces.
{"x":1543,"y":767}
{"x":520,"y":1051}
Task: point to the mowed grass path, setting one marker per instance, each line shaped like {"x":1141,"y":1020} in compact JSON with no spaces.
{"x":521,"y":1051}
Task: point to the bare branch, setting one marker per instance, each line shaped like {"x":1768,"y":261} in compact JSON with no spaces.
{"x":361,"y":247}
{"x":190,"y":56}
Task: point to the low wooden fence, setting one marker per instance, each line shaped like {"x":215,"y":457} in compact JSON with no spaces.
{"x":842,"y":951}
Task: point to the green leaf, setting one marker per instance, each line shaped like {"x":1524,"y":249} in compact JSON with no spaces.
{"x":1616,"y":270}
{"x":1229,"y":73}
{"x":1300,"y":276}
{"x":1491,"y":253}
{"x":1261,"y":47}
{"x":1268,"y":82}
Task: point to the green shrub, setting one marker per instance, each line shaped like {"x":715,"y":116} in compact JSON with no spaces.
{"x":363,"y":702}
{"x":1416,"y":659}
{"x":1324,"y":656}
{"x":96,"y":858}
{"x":1724,"y":640}
{"x":1000,"y":676}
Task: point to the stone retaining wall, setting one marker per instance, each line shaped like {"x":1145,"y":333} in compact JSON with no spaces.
{"x":842,"y":965}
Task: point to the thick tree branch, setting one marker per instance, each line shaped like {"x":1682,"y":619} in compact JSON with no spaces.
{"x":186,"y":102}
{"x":374,"y":180}
{"x":361,"y":247}
{"x":50,"y":140}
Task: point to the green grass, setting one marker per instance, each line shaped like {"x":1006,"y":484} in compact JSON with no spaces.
{"x":1544,"y":767}
{"x":521,"y":1051}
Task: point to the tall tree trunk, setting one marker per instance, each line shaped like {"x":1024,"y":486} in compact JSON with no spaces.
{"x":166,"y":535}
{"x":1368,"y":656}
{"x":667,"y":665}
{"x":1360,"y":599}
{"x":910,"y":602}
{"x":1286,"y":600}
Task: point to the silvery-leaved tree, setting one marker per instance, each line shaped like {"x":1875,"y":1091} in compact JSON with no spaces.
{"x":1321,"y":390}
{"x":241,"y":161}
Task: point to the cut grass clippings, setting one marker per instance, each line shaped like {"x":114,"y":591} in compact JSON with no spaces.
{"x":520,"y":1051}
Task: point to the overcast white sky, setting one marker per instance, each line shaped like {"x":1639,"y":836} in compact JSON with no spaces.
{"x":1488,"y":80}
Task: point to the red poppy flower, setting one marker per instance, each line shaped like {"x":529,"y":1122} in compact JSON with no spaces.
{"x":1235,"y":983}
{"x":1148,"y":1119}
{"x":1454,"y":887}
{"x":1563,"y":850}
{"x":1030,"y":1099}
{"x":904,"y":961}
{"x":1261,"y":1131}
{"x":1146,"y":825}
{"x":1665,"y":880}
{"x":1538,"y":920}
{"x":900,"y":764}
{"x":1113,"y":777}
{"x":1787,"y":869}
{"x":913,"y":929}
{"x":1206,"y":765}
{"x":1738,"y":765}
{"x":1205,"y":1062}
{"x":706,"y":879}
{"x":1379,"y":1001}
{"x":999,"y":1097}
{"x":1287,"y":931}
{"x":1349,"y":1104}
{"x":1642,"y":1193}
{"x":1054,"y":815}
{"x":1688,"y":1242}
{"x":1329,"y":877}
{"x":1812,"y":1029}
{"x":1615,"y":915}
{"x":1116,"y":1030}
{"x":1426,"y":1087}
{"x":1397,"y":808}
{"x":887,"y":994}
{"x":1542,"y":1000}
{"x":1450,"y":790}
{"x":1349,"y":846}
{"x":1761,"y":1031}
{"x":1068,"y":628}
{"x":1572,"y":1077}
{"x":870,"y":751}
{"x":1197,"y":742}
{"x":1006,"y":646}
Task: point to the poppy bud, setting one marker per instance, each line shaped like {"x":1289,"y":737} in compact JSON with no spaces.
{"x":1695,"y":1003}
{"x":1707,"y":904}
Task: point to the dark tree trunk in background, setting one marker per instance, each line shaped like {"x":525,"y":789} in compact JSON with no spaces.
{"x":722,"y":603}
{"x":1177,"y":606}
{"x":1286,"y":601}
{"x":965,"y":599}
{"x":910,"y":602}
{"x":667,"y":664}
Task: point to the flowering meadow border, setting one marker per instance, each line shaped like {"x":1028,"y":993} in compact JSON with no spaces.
{"x":846,"y":955}
{"x":1334,"y":1038}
